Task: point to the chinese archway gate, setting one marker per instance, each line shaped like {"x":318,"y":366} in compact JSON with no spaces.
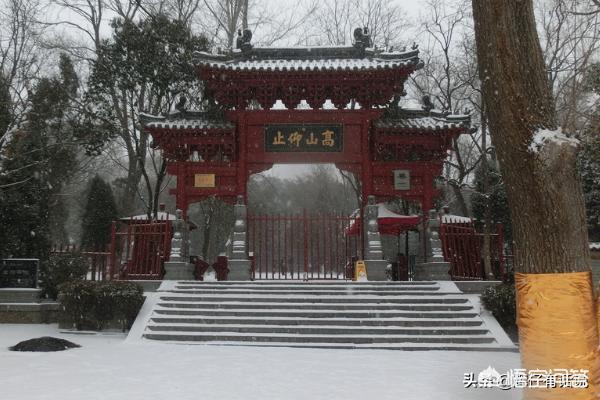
{"x":349,"y":116}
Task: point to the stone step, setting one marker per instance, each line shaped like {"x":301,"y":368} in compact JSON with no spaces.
{"x":19,"y":295}
{"x":323,"y":314}
{"x":385,"y":322}
{"x":313,"y":330}
{"x":314,"y":313}
{"x":315,"y":299}
{"x":327,"y":306}
{"x":450,"y":299}
{"x":487,"y":347}
{"x":301,"y":284}
{"x":320,"y":292}
{"x":322,"y":338}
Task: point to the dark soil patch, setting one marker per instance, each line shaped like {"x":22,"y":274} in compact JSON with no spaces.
{"x":45,"y":343}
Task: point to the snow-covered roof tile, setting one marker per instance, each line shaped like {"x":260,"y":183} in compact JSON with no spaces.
{"x":455,"y":219}
{"x":423,"y":120}
{"x":331,"y":58}
{"x":185,"y":120}
{"x":310,"y":65}
{"x":160,"y":216}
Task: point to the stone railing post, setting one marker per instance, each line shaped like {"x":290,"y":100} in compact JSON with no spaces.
{"x":435,"y":243}
{"x":178,"y":241}
{"x":178,"y":266}
{"x":239,"y":262}
{"x":239,"y":242}
{"x":433,"y":268}
{"x":376,"y":265}
{"x":374,"y":250}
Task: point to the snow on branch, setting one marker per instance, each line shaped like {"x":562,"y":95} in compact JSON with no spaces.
{"x":543,"y":137}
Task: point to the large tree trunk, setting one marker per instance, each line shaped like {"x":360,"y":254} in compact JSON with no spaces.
{"x":544,"y":191}
{"x":554,"y":292}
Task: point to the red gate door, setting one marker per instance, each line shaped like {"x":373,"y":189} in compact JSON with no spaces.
{"x":302,"y":246}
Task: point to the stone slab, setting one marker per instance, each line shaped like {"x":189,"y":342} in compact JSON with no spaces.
{"x":376,"y":270}
{"x":432,"y":271}
{"x":239,"y":270}
{"x":30,"y":313}
{"x":178,"y":271}
{"x":475,"y":286}
{"x":19,"y":295}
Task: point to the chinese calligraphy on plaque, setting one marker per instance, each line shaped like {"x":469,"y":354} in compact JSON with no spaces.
{"x":304,"y":138}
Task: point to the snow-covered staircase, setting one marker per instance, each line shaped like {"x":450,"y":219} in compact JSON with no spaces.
{"x":384,"y":315}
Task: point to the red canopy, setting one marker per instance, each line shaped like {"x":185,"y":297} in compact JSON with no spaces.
{"x":389,"y":222}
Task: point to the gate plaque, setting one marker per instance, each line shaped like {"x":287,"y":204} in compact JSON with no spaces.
{"x":204,"y":180}
{"x":402,"y":179}
{"x":19,"y":273}
{"x":304,"y":138}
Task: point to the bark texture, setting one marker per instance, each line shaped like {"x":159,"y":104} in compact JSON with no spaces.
{"x":543,"y":188}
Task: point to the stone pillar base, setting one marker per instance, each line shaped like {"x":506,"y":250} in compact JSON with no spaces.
{"x":376,"y":270}
{"x":239,"y":270}
{"x":432,"y":271}
{"x":178,"y":271}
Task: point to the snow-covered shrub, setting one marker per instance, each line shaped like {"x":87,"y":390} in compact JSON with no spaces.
{"x":92,"y":305}
{"x":129,"y":298}
{"x":500,"y":300}
{"x":78,"y":299}
{"x":58,"y":269}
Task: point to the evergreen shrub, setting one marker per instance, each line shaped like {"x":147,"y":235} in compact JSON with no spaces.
{"x":500,"y":300}
{"x":59,"y":269}
{"x":92,"y":305}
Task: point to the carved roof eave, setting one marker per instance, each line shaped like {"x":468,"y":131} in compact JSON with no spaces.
{"x":415,"y":122}
{"x":186,"y":122}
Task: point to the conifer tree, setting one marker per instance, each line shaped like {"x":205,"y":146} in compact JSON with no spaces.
{"x":35,"y":164}
{"x":5,"y":108}
{"x":495,"y":198}
{"x":100,"y":211}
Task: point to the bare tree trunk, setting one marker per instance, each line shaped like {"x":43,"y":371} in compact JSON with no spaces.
{"x":245,"y":15}
{"x":460,"y":198}
{"x":487,"y":262}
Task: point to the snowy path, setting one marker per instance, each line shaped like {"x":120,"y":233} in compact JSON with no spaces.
{"x":107,"y":368}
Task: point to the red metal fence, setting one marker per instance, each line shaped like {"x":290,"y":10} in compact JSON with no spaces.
{"x":462,"y":246}
{"x":137,"y":251}
{"x":97,"y":261}
{"x":140,"y":249}
{"x":302,"y":246}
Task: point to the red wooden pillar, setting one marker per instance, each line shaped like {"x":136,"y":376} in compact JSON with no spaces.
{"x":427,"y":192}
{"x":242,"y":164}
{"x":367,"y":160}
{"x":113,"y":252}
{"x":182,"y":201}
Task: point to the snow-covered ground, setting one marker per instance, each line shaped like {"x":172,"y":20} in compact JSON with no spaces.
{"x":107,"y":367}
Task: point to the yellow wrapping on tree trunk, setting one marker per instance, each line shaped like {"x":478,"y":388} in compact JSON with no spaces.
{"x":558,"y":330}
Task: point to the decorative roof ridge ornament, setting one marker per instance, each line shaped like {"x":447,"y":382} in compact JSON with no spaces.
{"x":243,"y":41}
{"x":427,"y":103}
{"x":362,"y":40}
{"x":180,"y":106}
